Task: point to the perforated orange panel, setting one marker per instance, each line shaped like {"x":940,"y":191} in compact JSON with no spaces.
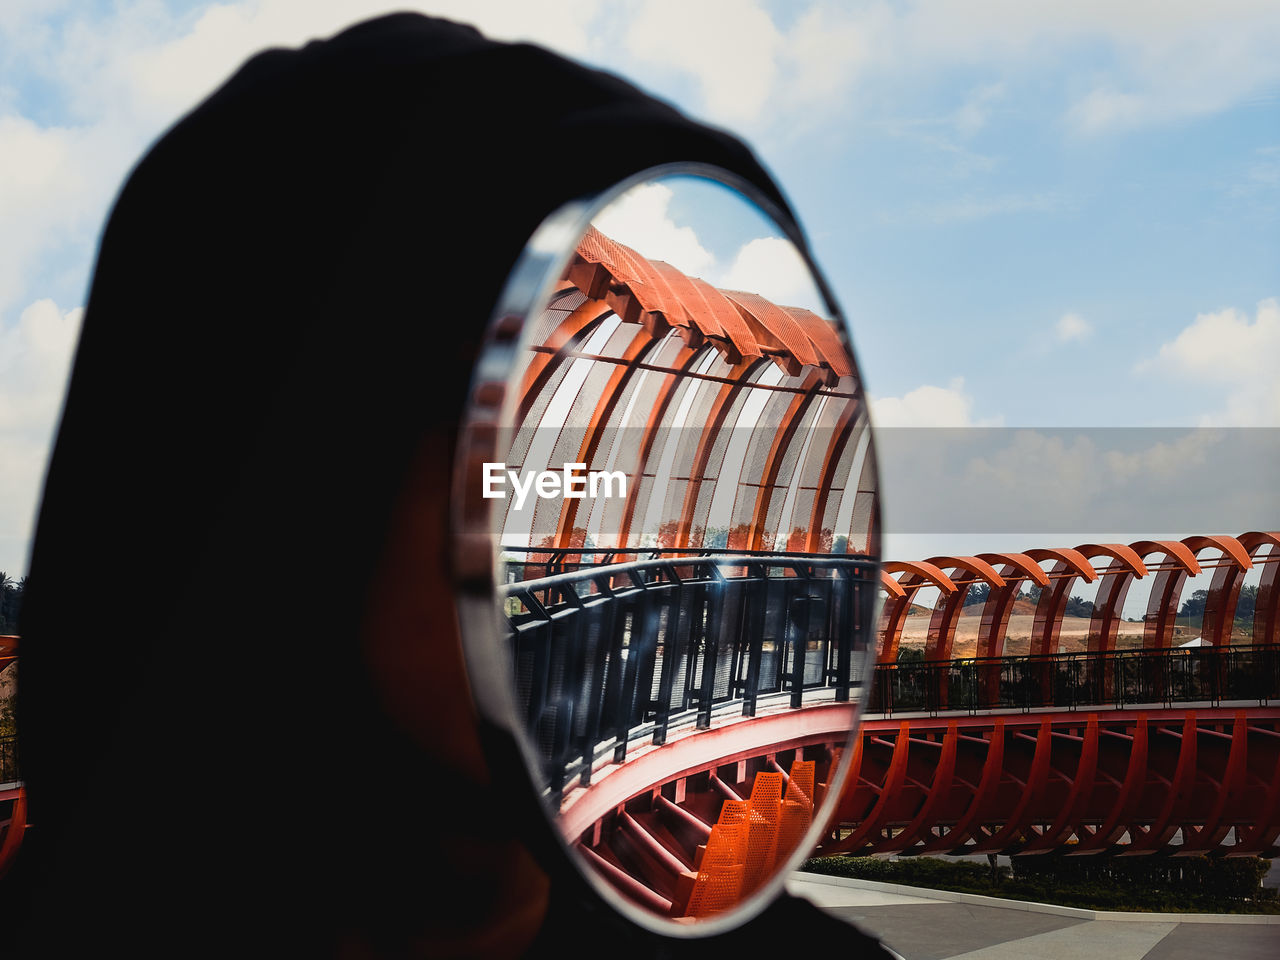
{"x":719,"y":883}
{"x":800,"y":787}
{"x":762,"y":829}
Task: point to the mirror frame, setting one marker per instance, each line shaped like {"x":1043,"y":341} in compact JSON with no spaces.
{"x":482,"y":437}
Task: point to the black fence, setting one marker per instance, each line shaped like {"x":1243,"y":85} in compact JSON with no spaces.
{"x":1114,"y":679}
{"x":9,"y":760}
{"x":609,"y":654}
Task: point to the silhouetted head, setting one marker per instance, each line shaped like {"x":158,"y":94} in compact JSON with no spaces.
{"x":245,"y":722}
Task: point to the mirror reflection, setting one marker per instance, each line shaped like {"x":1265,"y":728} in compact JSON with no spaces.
{"x":687,"y":517}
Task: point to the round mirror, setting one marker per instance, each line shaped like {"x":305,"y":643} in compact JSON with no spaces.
{"x":668,"y":539}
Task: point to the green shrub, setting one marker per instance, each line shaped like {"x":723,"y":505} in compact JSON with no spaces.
{"x":1153,"y":884}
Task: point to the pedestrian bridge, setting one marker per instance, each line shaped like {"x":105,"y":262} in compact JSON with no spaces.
{"x":668,"y":686}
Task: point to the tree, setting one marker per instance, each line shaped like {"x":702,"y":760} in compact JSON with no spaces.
{"x":978,"y":593}
{"x":1079,"y":607}
{"x":1194,"y":605}
{"x":10,"y":602}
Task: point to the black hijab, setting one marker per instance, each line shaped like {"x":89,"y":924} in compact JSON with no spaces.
{"x":289,"y":293}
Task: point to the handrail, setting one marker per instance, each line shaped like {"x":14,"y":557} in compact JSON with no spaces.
{"x":673,"y":639}
{"x":1109,"y":679}
{"x":735,"y":559}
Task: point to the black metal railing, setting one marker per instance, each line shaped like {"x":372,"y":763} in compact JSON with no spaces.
{"x":9,"y":760}
{"x":1069,"y":680}
{"x":611,"y":653}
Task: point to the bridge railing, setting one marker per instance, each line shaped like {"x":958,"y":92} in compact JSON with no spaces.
{"x":9,"y":760}
{"x":1113,"y":679}
{"x":608,"y":655}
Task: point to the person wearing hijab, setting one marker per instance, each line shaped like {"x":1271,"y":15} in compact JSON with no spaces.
{"x":244,"y":717}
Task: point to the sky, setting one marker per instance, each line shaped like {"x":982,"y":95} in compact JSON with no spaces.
{"x":1062,"y":214}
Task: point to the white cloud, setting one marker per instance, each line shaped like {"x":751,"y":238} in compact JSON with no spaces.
{"x":44,"y":180}
{"x":773,"y":268}
{"x":978,"y":206}
{"x":1234,"y":352}
{"x":729,"y":47}
{"x":930,"y":406}
{"x":1150,"y":62}
{"x":1072,"y":326}
{"x":35,"y":353}
{"x":639,"y":218}
{"x":973,"y":113}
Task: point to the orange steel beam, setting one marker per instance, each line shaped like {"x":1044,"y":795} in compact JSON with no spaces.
{"x":943,"y":777}
{"x":1204,"y":838}
{"x":683,"y":361}
{"x":822,"y":334}
{"x":992,"y":770}
{"x":1000,"y":600}
{"x":1126,"y":564}
{"x":1082,"y":781}
{"x":13,"y":834}
{"x":1162,"y":605}
{"x":1126,"y":802}
{"x":1227,"y":578}
{"x":1037,"y":776}
{"x":1177,"y":797}
{"x":772,"y":325}
{"x":827,"y":478}
{"x":891,"y":586}
{"x":894,"y":777}
{"x":1266,"y":615}
{"x":639,"y":347}
{"x":706,"y":442}
{"x":796,"y":410}
{"x":947,"y":609}
{"x":739,"y":341}
{"x":1047,"y":622}
{"x":542,"y":366}
{"x":1044,"y":778}
{"x":893,"y":617}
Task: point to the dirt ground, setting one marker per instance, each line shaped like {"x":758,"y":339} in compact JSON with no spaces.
{"x":1073,"y":638}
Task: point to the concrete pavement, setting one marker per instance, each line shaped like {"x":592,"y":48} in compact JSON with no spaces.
{"x":924,"y":924}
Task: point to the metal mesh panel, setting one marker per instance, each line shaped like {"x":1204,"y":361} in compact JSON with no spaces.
{"x":646,"y":522}
{"x":680,"y":648}
{"x":787,"y":474}
{"x":559,"y":308}
{"x":863,"y":507}
{"x":707,"y":531}
{"x":664,"y":650}
{"x":763,"y":434}
{"x":587,"y":688}
{"x":688,"y":438}
{"x":809,"y":476}
{"x":841,"y":479}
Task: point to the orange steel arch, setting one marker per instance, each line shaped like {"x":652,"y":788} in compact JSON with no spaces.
{"x":1162,"y":606}
{"x":684,"y":362}
{"x":1234,"y":557}
{"x":1126,"y":564}
{"x":893,"y":617}
{"x":1046,"y":625}
{"x":778,"y":328}
{"x":947,"y":609}
{"x":1266,"y":615}
{"x":1224,"y":589}
{"x":723,"y":403}
{"x":613,"y":390}
{"x":686,"y":322}
{"x":845,"y":428}
{"x":996,"y":609}
{"x":782,"y":440}
{"x":564,"y":338}
{"x":891,"y":586}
